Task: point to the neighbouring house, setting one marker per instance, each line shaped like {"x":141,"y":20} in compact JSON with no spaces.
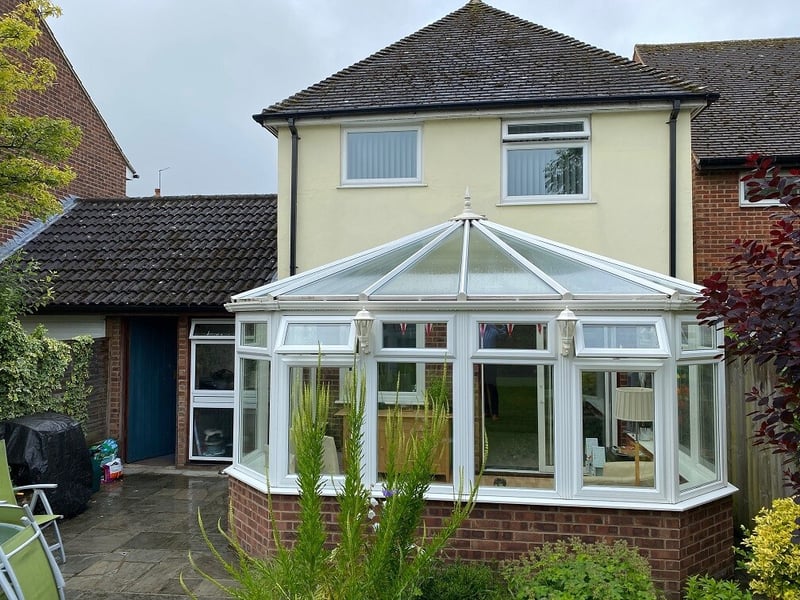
{"x":148,"y":279}
{"x":613,"y":430}
{"x":756,"y":112}
{"x":100,"y":164}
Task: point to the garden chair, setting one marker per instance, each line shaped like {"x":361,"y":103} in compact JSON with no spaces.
{"x":48,"y":520}
{"x":28,"y":568}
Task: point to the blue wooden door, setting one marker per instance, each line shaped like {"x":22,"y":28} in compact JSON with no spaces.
{"x":152,"y":393}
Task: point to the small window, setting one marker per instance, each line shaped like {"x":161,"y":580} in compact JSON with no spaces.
{"x":546,"y":161}
{"x":214,"y":329}
{"x":697,"y":337}
{"x":381,"y":156}
{"x":743,"y":199}
{"x":414,"y":335}
{"x":512,"y":336}
{"x":643,"y":337}
{"x":254,"y":334}
{"x":317,"y":334}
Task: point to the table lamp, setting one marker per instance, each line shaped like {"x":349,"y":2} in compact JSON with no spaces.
{"x":637,"y":405}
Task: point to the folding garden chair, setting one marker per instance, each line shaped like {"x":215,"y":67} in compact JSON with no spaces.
{"x":48,"y":520}
{"x":28,"y":568}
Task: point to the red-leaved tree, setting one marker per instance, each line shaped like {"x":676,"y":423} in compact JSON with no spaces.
{"x":759,"y":299}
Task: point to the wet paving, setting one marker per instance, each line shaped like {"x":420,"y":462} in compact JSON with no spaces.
{"x":134,"y":539}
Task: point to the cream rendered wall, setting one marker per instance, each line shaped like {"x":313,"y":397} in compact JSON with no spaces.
{"x":626,"y":218}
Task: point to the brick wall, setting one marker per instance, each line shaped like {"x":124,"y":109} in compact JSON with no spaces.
{"x":116,"y":376}
{"x":719,"y":220}
{"x":97,"y":425}
{"x":676,"y":544}
{"x":183,"y":374}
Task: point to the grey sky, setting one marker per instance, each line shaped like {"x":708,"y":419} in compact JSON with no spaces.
{"x":178,"y":80}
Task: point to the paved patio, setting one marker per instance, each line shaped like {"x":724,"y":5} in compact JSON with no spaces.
{"x":133,"y":540}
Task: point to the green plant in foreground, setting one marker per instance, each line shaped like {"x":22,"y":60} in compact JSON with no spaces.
{"x":771,"y":560}
{"x":702,"y":587}
{"x":462,"y":581}
{"x":383,"y":549}
{"x":575,"y":570}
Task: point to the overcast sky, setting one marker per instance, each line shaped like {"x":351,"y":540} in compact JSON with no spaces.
{"x":178,"y":81}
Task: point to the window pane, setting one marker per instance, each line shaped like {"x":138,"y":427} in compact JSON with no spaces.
{"x":620,"y":336}
{"x":415,"y":335}
{"x":697,"y":337}
{"x":547,"y":127}
{"x":317,"y":334}
{"x":254,"y":404}
{"x":213,"y":432}
{"x":382,"y":154}
{"x":618,"y":418}
{"x":430,"y":378}
{"x":545,"y":171}
{"x":213,"y":366}
{"x":514,"y":336}
{"x":213,"y":329}
{"x":514,"y":424}
{"x":332,"y":380}
{"x":697,"y":438}
{"x":254,"y":334}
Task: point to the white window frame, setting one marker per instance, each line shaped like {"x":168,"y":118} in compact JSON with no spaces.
{"x":661,"y":351}
{"x":548,"y":140}
{"x":381,"y":181}
{"x":282,"y":347}
{"x":745,"y":203}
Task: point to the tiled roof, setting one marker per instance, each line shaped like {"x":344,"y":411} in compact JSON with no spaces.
{"x":759,"y":100}
{"x":178,"y":252}
{"x":481,"y":55}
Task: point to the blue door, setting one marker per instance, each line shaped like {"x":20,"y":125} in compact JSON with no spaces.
{"x":152,"y":393}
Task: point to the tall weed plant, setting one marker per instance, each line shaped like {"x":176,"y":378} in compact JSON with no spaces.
{"x":383,"y":549}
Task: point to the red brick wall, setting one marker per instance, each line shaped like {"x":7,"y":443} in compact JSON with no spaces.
{"x":97,"y":425}
{"x":182,"y":416}
{"x":677,"y":544}
{"x":116,"y":376}
{"x":719,"y":220}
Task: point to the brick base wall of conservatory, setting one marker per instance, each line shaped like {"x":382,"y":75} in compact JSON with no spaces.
{"x":677,"y":544}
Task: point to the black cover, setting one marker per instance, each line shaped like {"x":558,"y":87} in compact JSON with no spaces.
{"x":50,"y":448}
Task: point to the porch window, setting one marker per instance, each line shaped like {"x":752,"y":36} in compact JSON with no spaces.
{"x":546,"y":161}
{"x":381,"y":156}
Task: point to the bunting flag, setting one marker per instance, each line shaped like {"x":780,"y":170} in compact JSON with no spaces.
{"x":403,"y":327}
{"x":482,"y":331}
{"x":510,"y":328}
{"x":539,"y":327}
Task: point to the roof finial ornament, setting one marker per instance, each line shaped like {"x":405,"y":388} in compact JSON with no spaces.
{"x":475,"y":1}
{"x":468,"y":215}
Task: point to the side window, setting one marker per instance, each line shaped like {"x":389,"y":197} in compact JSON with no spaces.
{"x":545,"y":161}
{"x":381,"y":156}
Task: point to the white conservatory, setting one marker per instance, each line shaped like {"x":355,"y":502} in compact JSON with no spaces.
{"x":589,"y":380}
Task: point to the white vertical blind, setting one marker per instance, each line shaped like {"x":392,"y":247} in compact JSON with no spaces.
{"x":382,"y":154}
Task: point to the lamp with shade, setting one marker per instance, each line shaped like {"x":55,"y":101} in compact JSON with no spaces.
{"x":635,"y":405}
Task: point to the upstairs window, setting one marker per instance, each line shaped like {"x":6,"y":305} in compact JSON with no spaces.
{"x":545,"y":161}
{"x":381,"y":156}
{"x":744,"y":200}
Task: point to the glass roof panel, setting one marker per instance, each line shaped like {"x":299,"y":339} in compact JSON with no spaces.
{"x":355,"y":279}
{"x":493,"y":272}
{"x":435,"y":274}
{"x":577,"y":277}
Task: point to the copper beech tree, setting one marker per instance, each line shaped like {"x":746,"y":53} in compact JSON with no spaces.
{"x":759,"y":299}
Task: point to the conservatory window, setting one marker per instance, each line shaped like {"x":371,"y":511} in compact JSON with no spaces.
{"x":308,"y":335}
{"x":618,"y":428}
{"x":697,"y":424}
{"x":696,"y":337}
{"x":546,"y":160}
{"x":381,"y":156}
{"x":514,"y":425}
{"x":631,"y":337}
{"x":254,"y":334}
{"x":254,"y":414}
{"x":331,"y":380}
{"x":512,"y":336}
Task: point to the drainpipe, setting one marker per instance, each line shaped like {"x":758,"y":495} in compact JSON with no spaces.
{"x":293,"y":201}
{"x":673,"y":187}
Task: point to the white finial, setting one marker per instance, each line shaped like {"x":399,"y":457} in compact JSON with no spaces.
{"x":467,"y":215}
{"x":467,"y":201}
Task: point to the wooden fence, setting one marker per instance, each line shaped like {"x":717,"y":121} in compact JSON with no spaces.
{"x":755,"y":470}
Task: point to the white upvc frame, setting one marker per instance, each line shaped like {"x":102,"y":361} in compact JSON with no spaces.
{"x":379,"y":181}
{"x":542,"y":141}
{"x":282,"y":347}
{"x":660,"y":328}
{"x":745,"y":203}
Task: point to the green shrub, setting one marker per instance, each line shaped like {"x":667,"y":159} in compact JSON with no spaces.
{"x":574,"y":570}
{"x":772,"y":561}
{"x":461,"y":581}
{"x":707,"y":588}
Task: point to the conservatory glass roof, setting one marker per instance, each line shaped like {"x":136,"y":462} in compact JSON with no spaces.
{"x":470,"y":257}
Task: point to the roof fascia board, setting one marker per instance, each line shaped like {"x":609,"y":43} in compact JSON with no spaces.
{"x":273,"y":122}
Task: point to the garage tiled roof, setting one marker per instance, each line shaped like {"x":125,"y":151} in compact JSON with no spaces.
{"x":759,"y":95}
{"x":481,"y":55}
{"x":179,"y":252}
